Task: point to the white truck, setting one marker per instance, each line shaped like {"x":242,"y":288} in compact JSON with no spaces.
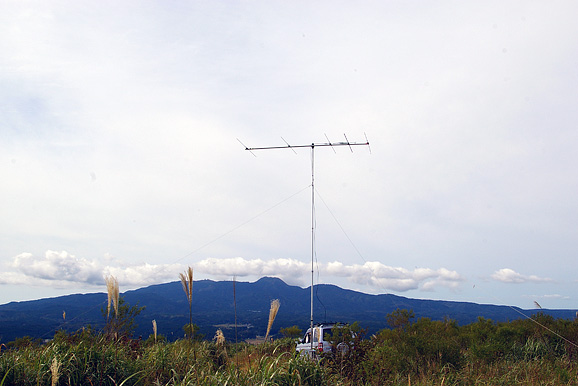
{"x":321,"y":334}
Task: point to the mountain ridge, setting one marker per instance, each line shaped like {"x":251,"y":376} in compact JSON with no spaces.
{"x":214,"y":305}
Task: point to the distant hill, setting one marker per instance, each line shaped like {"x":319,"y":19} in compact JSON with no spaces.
{"x":213,"y":307}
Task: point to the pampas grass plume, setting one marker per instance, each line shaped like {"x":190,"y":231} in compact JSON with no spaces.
{"x":112,"y":290}
{"x":219,"y":337}
{"x":54,"y":369}
{"x":187,"y":282}
{"x":275,"y":304}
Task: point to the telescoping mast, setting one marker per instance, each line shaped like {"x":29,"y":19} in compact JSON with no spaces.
{"x":312,"y":146}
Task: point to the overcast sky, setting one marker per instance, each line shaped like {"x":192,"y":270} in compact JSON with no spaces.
{"x":119,"y":154}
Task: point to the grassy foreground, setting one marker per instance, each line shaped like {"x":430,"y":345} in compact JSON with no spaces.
{"x":422,"y":353}
{"x":87,"y":359}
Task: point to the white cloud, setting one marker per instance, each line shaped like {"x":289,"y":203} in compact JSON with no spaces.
{"x":374,"y":274}
{"x":507,"y":275}
{"x":290,"y":270}
{"x":62,"y":269}
{"x":60,"y":266}
{"x":144,"y":274}
{"x":382,"y":276}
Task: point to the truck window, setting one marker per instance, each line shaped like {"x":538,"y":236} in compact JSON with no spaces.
{"x":317,"y":332}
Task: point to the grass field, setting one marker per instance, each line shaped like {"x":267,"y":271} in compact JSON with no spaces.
{"x":526,"y":352}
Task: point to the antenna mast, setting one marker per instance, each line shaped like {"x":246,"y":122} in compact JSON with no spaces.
{"x":312,"y":146}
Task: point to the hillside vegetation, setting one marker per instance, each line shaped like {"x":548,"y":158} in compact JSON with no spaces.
{"x":214,"y":305}
{"x":422,"y":352}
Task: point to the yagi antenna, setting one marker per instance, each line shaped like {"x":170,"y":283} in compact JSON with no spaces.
{"x":312,"y":146}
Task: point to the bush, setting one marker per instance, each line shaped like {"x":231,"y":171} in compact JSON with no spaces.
{"x":292,"y":332}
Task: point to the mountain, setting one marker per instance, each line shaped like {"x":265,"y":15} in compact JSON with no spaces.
{"x":214,"y":307}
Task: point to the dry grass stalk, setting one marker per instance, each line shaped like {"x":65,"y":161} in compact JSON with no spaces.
{"x":109,"y":287}
{"x":115,"y":298}
{"x":54,"y":369}
{"x":113,"y":293}
{"x":155,"y":329}
{"x":275,"y":304}
{"x":187,"y":282}
{"x":219,"y":337}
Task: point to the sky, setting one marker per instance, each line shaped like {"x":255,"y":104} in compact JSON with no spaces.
{"x":123,"y":128}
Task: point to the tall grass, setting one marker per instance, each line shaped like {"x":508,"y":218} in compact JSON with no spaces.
{"x":187,"y":282}
{"x":54,"y":370}
{"x":424,"y":353}
{"x":112,"y":290}
{"x":91,"y":359}
{"x":87,"y":358}
{"x":275,"y":304}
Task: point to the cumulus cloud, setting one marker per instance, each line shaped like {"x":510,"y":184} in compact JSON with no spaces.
{"x":62,"y":269}
{"x":290,"y":270}
{"x":507,"y":275}
{"x":60,"y":266}
{"x":144,"y":274}
{"x":375,"y":274}
{"x":382,"y":276}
